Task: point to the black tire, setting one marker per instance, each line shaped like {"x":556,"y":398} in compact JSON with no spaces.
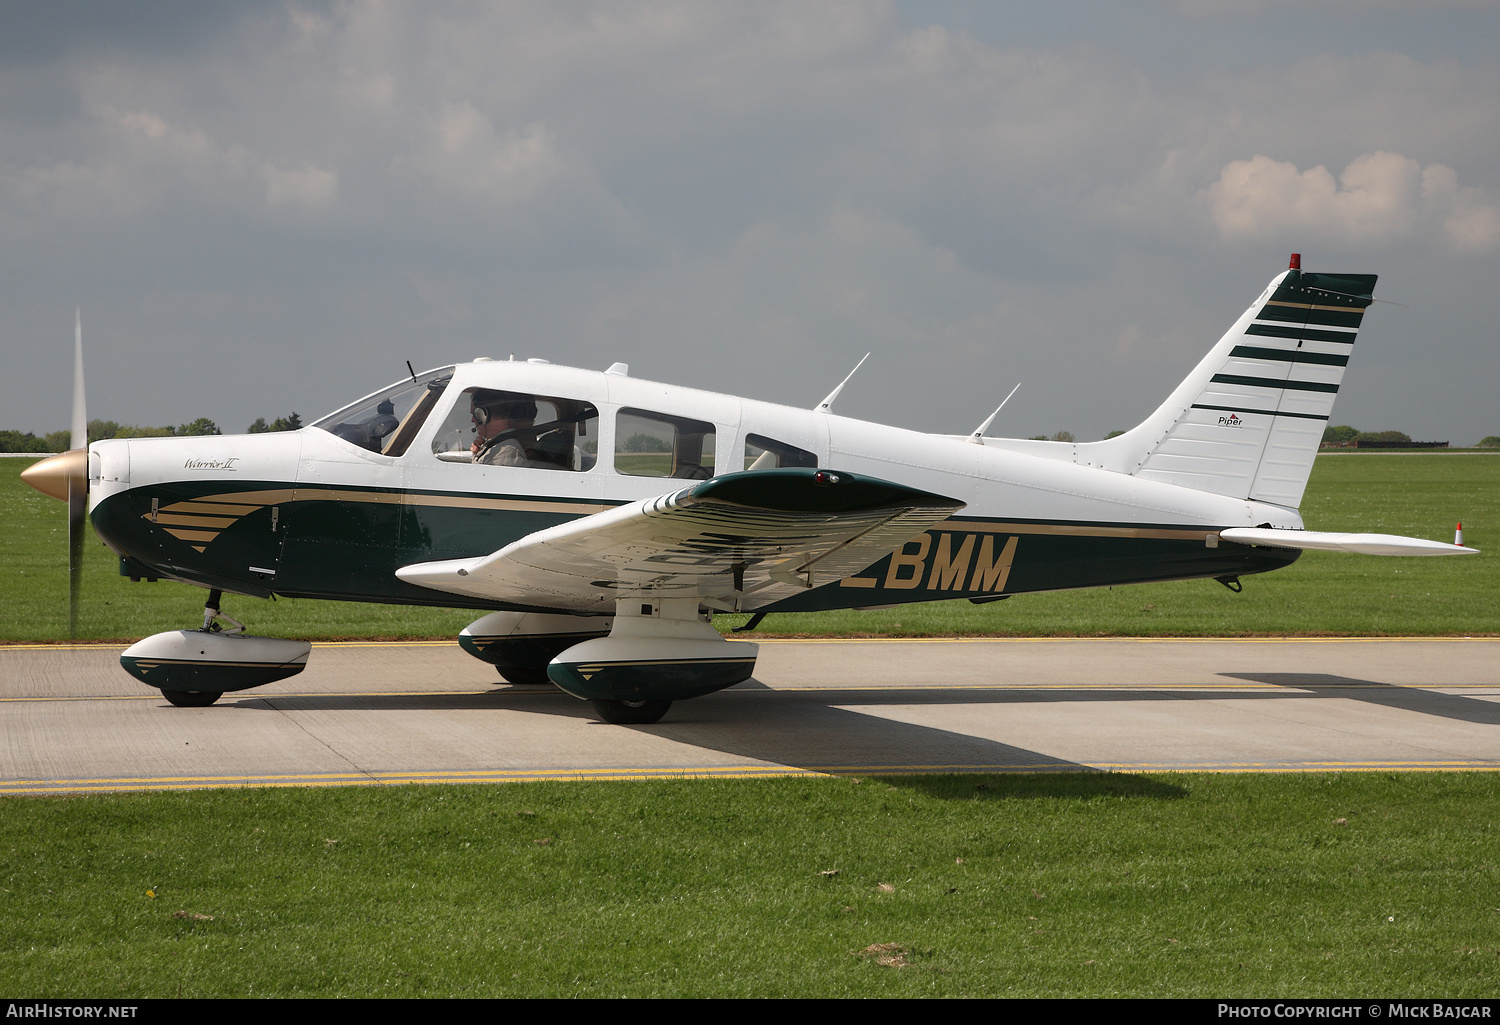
{"x":631,"y":713}
{"x":524,"y":676}
{"x":192,"y":698}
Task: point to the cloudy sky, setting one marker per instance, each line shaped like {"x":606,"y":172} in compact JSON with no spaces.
{"x":268,"y":206}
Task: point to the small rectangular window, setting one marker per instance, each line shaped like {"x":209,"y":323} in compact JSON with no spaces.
{"x":766,"y":454}
{"x":660,"y":445}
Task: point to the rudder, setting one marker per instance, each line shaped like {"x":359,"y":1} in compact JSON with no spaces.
{"x":1248,"y":420}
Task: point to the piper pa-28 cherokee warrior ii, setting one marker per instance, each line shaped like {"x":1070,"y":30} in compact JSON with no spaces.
{"x":602,"y":520}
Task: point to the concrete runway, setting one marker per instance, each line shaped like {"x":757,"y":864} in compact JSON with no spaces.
{"x":374,"y":713}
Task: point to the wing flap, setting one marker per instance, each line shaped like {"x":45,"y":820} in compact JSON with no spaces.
{"x":735,"y":542}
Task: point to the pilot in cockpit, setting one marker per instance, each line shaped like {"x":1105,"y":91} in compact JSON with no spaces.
{"x":502,"y":427}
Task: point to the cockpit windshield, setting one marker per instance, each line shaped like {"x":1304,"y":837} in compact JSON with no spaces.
{"x":387,"y":421}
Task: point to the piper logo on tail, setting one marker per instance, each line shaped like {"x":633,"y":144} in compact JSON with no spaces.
{"x":1232,"y":420}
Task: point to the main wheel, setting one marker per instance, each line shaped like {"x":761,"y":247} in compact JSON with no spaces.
{"x":524,"y":676}
{"x":631,"y":713}
{"x":192,"y":698}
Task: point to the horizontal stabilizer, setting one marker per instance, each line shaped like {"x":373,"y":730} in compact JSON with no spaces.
{"x":1322,"y":541}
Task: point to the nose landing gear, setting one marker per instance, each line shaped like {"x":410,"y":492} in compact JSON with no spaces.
{"x":194,"y":668}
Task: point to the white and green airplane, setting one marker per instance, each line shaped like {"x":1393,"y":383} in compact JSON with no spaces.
{"x":601,"y":520}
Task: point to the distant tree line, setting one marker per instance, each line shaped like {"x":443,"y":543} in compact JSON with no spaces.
{"x":1067,"y":436}
{"x":15,"y":441}
{"x":281,"y":423}
{"x":1345,"y":434}
{"x":1331,"y":436}
{"x":646,"y":443}
{"x":99,"y":430}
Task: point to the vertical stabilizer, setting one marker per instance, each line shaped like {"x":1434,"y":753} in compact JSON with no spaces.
{"x":1248,"y":420}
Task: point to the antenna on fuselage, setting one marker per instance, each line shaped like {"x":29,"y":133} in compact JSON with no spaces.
{"x":412,"y":372}
{"x":826,"y":406}
{"x":977,"y":438}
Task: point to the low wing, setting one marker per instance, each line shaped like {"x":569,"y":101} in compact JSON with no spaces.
{"x":736,"y":543}
{"x":1365,"y":544}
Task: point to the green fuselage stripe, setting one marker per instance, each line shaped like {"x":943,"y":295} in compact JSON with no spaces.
{"x":349,"y":547}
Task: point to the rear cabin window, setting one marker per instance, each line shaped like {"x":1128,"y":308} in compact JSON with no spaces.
{"x":768,"y":454}
{"x":651,"y":444}
{"x":504,"y":428}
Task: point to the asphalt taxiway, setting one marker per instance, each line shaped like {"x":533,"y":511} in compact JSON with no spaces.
{"x":378,"y":713}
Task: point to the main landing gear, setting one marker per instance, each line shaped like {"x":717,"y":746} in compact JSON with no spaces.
{"x":192,"y":698}
{"x":524,"y":676}
{"x":631,"y":713}
{"x":212,"y":624}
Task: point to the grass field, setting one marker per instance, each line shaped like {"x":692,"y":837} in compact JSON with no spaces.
{"x":1077,"y":885}
{"x":1421,"y":495}
{"x":1080,"y":884}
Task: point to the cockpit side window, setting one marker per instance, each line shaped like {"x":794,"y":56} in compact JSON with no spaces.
{"x":387,"y":421}
{"x":767,"y":454}
{"x":651,"y":444}
{"x":505,"y":428}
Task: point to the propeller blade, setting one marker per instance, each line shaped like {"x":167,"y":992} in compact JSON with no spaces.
{"x":78,"y":481}
{"x":80,"y":413}
{"x":77,"y":513}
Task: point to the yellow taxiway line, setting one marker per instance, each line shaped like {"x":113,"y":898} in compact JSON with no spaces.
{"x":125,"y":784}
{"x":1238,"y":687}
{"x":1449,"y":638}
{"x":1121,"y":640}
{"x":354,"y":779}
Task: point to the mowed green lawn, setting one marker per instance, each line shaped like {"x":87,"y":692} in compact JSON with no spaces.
{"x":1422,"y":495}
{"x":1073,"y":884}
{"x":1085,"y":884}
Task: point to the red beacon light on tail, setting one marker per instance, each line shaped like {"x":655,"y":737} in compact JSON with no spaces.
{"x":1296,"y":263}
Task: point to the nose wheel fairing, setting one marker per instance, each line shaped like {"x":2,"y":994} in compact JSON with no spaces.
{"x":196,"y":660}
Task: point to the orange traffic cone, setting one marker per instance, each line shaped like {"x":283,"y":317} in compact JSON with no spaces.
{"x":1458,"y":534}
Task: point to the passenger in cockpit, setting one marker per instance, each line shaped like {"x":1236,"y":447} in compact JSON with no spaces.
{"x":502,"y":427}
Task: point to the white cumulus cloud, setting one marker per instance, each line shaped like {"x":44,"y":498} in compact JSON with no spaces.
{"x":145,"y":161}
{"x":1381,"y":198}
{"x":305,"y":187}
